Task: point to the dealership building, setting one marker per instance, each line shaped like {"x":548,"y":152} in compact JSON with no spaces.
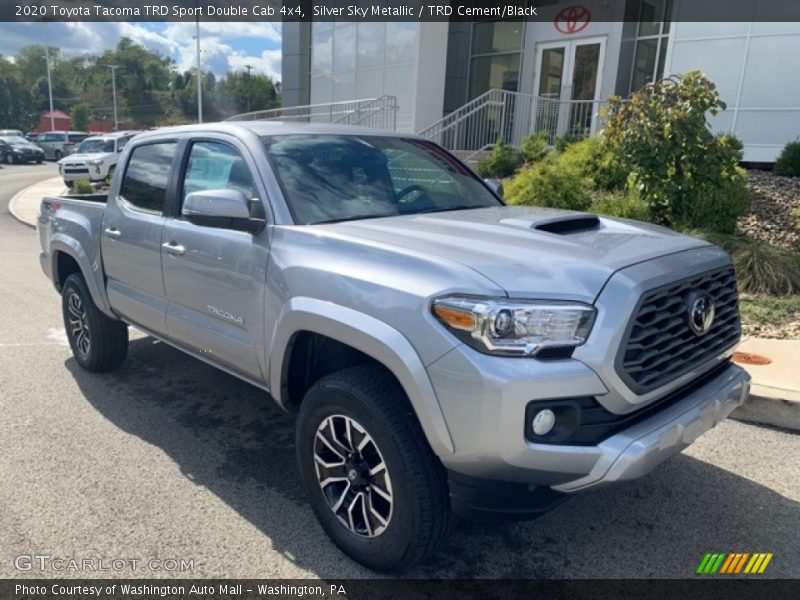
{"x":572,"y":56}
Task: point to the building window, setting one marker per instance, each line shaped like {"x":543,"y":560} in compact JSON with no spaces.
{"x":495,"y":56}
{"x":647,"y":23}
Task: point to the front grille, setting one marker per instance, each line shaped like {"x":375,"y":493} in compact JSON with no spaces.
{"x":75,"y":170}
{"x":660,"y":345}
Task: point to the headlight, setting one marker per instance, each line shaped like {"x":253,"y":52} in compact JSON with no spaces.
{"x":95,"y":163}
{"x":514,"y":327}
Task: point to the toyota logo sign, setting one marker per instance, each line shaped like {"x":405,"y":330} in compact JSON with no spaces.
{"x":573,"y":19}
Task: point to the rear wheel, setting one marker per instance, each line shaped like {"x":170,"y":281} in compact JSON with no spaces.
{"x":98,"y":343}
{"x":10,"y":158}
{"x":372,"y":480}
{"x":58,"y":155}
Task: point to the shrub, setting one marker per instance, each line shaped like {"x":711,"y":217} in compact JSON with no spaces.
{"x":82,"y":186}
{"x":502,"y":162}
{"x":760,"y":268}
{"x":534,"y":147}
{"x":765,"y":269}
{"x":788,"y":162}
{"x":552,"y":182}
{"x":566,"y":140}
{"x":715,"y":206}
{"x":681,"y":169}
{"x":626,"y":205}
{"x":597,"y":162}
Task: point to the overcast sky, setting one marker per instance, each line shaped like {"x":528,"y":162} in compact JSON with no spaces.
{"x":225,"y":46}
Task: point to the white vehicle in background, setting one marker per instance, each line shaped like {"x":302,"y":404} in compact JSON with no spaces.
{"x":95,"y":158}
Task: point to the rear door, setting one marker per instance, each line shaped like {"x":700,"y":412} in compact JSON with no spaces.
{"x":215,"y":278}
{"x":131,"y":237}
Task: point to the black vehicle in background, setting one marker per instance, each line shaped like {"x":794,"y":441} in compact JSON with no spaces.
{"x":16,"y":149}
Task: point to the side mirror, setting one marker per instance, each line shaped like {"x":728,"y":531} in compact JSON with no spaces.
{"x":223,"y":208}
{"x":495,"y":185}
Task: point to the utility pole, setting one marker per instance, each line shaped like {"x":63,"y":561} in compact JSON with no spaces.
{"x":249,"y":87}
{"x":199,"y":72}
{"x":49,"y":78}
{"x":114,"y":91}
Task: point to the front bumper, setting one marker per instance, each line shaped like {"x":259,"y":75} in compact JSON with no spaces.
{"x":484,"y":399}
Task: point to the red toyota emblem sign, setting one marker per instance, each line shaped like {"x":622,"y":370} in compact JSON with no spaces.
{"x":573,"y":19}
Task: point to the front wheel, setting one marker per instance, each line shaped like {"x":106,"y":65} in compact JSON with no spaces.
{"x":373,"y":482}
{"x":98,"y":343}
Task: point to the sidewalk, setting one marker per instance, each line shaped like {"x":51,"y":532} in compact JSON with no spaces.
{"x":24,"y":206}
{"x":775,"y":388}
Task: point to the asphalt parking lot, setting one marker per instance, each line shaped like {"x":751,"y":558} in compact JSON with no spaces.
{"x":170,"y":459}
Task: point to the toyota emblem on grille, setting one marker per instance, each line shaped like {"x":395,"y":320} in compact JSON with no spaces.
{"x":701,"y":313}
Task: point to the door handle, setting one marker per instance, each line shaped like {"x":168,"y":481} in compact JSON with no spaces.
{"x":174,"y":248}
{"x":113,"y":232}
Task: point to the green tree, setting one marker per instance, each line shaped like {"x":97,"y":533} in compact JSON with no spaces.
{"x":16,"y":101}
{"x":685,"y":173}
{"x":81,"y":117}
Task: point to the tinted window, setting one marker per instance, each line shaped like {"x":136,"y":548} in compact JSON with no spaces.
{"x":77,"y":137}
{"x":339,"y":178}
{"x":145,"y":182}
{"x":215,"y":166}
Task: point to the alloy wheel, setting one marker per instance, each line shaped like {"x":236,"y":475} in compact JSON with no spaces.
{"x":78,"y":324}
{"x":353,"y":476}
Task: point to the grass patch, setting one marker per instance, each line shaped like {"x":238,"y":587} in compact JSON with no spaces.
{"x":769,"y":315}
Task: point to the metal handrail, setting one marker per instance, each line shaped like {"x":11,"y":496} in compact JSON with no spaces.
{"x":380,"y":112}
{"x":511,"y":116}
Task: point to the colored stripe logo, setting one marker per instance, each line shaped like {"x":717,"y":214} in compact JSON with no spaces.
{"x":733,"y":563}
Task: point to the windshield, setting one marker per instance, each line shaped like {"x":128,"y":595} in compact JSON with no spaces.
{"x":327,"y":178}
{"x":89,"y":146}
{"x":14,"y":139}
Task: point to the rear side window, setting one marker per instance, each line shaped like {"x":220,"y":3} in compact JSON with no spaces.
{"x":77,"y":137}
{"x":145,"y":182}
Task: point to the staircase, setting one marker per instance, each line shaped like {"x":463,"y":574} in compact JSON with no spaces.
{"x":475,"y":128}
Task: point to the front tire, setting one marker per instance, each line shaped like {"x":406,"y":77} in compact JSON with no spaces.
{"x":372,"y":481}
{"x":98,"y":343}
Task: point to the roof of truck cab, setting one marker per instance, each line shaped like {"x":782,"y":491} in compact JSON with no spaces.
{"x":266,"y":128}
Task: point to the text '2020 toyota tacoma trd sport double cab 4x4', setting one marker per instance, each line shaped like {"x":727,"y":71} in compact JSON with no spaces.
{"x":443,"y":352}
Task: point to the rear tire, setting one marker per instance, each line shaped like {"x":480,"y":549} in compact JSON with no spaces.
{"x":10,"y":158}
{"x":58,"y":155}
{"x":98,"y":343}
{"x":385,"y":532}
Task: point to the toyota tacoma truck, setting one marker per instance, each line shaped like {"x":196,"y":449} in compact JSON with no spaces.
{"x":443,"y":352}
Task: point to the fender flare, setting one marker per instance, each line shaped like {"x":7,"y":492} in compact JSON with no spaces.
{"x":70,"y":247}
{"x":375,"y":339}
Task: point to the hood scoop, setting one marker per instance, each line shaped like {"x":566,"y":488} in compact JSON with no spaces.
{"x":560,"y":224}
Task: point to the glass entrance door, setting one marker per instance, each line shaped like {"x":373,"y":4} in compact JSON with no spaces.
{"x":568,"y":86}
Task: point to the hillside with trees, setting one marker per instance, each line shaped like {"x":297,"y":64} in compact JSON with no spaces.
{"x":150,"y":89}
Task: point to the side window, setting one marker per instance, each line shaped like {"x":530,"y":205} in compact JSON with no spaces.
{"x":214,"y":166}
{"x":122,"y":142}
{"x":145,"y":182}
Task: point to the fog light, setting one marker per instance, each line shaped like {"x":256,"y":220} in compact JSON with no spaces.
{"x":544,"y":421}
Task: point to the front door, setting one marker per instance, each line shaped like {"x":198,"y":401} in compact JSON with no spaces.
{"x":215,"y":278}
{"x":568,"y":85}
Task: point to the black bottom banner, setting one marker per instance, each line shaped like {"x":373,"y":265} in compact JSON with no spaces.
{"x":358,"y":589}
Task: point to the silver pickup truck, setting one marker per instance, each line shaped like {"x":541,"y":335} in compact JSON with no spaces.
{"x":443,"y":352}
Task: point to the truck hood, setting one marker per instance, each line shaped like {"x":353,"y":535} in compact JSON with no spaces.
{"x":85,"y":156}
{"x":529,"y":252}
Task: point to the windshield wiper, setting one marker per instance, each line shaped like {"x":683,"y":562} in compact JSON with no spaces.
{"x":352,"y":218}
{"x":448,"y":209}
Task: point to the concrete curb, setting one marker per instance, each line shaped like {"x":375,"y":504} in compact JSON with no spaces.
{"x":24,"y":206}
{"x":768,"y":410}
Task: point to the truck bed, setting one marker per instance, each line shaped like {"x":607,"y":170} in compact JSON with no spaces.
{"x":73,"y":224}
